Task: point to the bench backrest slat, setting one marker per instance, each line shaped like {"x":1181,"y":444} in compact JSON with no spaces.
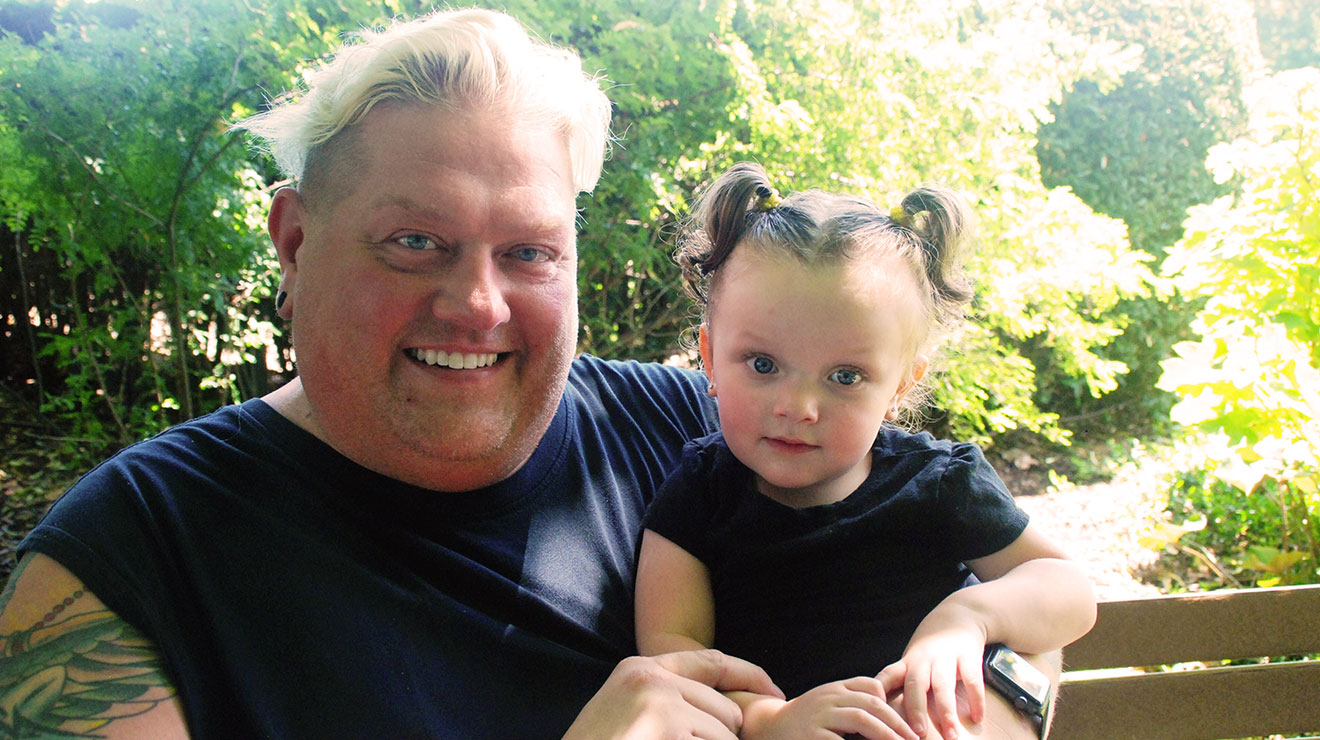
{"x":1200,"y":703}
{"x":1228,"y":624}
{"x":1203,"y":704}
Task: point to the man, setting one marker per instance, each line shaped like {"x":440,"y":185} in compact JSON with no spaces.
{"x":431,"y":531}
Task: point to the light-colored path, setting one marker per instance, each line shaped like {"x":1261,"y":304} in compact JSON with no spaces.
{"x":1100,"y":525}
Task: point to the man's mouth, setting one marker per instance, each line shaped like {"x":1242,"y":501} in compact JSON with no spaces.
{"x":453,"y":360}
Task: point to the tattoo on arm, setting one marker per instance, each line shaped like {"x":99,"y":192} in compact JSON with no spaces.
{"x":8,"y":593}
{"x":73,"y":672}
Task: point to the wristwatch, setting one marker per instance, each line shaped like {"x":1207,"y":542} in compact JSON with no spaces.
{"x":1025,"y":687}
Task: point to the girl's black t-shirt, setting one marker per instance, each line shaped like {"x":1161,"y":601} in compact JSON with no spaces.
{"x":831,"y":592}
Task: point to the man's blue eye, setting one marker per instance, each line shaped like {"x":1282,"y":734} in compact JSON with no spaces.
{"x":528,"y":254}
{"x":761,"y":365}
{"x":846,"y":377}
{"x":416,"y":241}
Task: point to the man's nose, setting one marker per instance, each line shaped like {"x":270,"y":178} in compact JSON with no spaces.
{"x":472,"y":296}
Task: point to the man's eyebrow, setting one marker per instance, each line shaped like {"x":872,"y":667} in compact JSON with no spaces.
{"x":541,"y":222}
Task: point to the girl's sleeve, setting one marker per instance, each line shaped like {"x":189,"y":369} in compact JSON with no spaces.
{"x":981,"y":515}
{"x":681,"y":510}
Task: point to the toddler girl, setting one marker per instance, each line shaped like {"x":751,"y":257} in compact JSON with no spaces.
{"x":811,"y":535}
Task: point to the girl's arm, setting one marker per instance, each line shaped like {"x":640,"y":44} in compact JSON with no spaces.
{"x":675,"y":608}
{"x":1032,"y":598}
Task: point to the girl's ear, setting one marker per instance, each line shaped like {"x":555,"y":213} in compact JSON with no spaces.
{"x":918,"y":371}
{"x":707,"y":357}
{"x":920,"y":364}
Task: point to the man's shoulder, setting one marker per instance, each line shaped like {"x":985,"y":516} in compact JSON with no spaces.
{"x":213,"y":446}
{"x":654,"y":407}
{"x":642,"y":376}
{"x":224,"y":426}
{"x":640,"y":386}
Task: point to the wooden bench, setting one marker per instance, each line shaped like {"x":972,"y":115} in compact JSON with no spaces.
{"x":1194,"y":702}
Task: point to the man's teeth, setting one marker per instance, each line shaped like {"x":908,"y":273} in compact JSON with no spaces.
{"x":454,"y":360}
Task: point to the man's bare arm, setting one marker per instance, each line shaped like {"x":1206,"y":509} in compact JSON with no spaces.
{"x":70,"y":667}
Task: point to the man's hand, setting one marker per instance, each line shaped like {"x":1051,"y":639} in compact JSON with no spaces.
{"x":675,"y":695}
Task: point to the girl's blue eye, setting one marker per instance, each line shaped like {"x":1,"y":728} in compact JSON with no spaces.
{"x":846,"y":377}
{"x":761,"y":365}
{"x":417,"y":242}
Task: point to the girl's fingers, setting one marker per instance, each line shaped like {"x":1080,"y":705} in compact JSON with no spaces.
{"x":944,"y":700}
{"x":915,"y":686}
{"x":974,"y":681}
{"x":869,"y":695}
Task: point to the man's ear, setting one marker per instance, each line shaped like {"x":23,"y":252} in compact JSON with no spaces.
{"x":707,"y":357}
{"x":285,"y":224}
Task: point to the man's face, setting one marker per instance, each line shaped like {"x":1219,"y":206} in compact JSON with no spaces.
{"x":433,"y":298}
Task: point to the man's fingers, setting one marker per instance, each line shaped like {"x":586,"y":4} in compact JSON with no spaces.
{"x":719,"y":671}
{"x":645,"y":700}
{"x":711,"y":703}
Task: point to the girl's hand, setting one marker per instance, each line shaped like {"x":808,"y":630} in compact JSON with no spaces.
{"x":856,"y":706}
{"x":946,"y":648}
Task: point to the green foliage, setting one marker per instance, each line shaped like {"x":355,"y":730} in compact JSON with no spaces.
{"x":1136,"y":151}
{"x":1264,"y":539}
{"x":1253,"y":375}
{"x":1288,"y":31}
{"x":143,"y":215}
{"x":824,"y":98}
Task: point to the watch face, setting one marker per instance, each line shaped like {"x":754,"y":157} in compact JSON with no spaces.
{"x":1025,"y":676}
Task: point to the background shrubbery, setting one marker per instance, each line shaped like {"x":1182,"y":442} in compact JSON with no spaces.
{"x":136,"y":279}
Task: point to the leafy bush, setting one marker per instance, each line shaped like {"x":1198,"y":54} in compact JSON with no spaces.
{"x":1136,"y":151}
{"x":1232,"y":539}
{"x":1253,"y":375}
{"x":141,"y":273}
{"x":1288,"y":30}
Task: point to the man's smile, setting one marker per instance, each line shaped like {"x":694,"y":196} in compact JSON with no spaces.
{"x":453,"y":360}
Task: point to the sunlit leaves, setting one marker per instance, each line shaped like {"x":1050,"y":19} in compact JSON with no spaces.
{"x":1254,"y":373}
{"x":871,"y":98}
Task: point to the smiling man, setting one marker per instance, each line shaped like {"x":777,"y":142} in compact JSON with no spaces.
{"x":431,"y":531}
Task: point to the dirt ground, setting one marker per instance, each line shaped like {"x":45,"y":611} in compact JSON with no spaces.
{"x":1099,"y":524}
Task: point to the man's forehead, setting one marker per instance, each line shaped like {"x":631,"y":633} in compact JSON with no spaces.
{"x":430,"y":161}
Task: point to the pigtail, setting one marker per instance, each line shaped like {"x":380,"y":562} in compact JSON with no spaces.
{"x":720,"y":219}
{"x":943,"y":224}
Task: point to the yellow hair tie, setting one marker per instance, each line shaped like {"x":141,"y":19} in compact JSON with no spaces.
{"x":766,"y":198}
{"x":899,"y":216}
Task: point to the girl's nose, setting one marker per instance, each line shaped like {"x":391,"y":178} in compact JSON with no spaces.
{"x":796,"y":403}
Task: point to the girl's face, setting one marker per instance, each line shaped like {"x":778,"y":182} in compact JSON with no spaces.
{"x":807,"y":362}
